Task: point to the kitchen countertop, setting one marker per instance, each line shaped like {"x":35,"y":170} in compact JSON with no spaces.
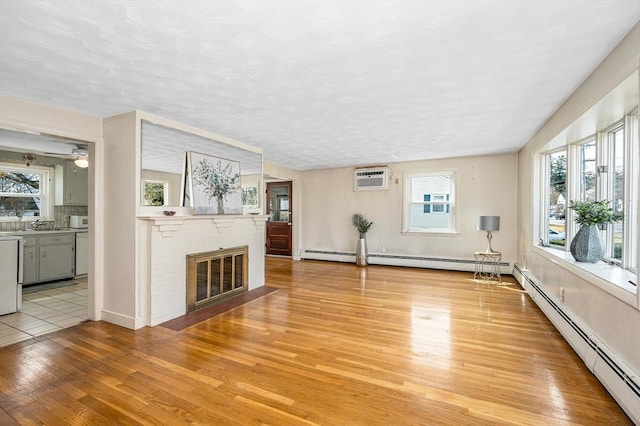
{"x":28,"y":232}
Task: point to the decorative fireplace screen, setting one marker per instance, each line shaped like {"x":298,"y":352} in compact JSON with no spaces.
{"x":216,"y":275}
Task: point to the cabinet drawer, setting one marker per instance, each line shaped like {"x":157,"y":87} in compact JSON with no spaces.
{"x":56,"y":239}
{"x":30,"y":241}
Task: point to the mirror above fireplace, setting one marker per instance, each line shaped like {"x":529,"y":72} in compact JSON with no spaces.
{"x":163,"y":151}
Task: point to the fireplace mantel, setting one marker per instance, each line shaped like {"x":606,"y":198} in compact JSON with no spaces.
{"x":167,"y":224}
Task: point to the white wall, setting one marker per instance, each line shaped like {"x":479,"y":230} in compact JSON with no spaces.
{"x":124,"y":302}
{"x":622,"y":62}
{"x":485,"y":185}
{"x":612,"y":321}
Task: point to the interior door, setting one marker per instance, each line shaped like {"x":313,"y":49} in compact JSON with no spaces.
{"x":279,"y":224}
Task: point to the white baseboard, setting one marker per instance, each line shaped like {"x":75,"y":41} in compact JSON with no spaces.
{"x":617,"y":377}
{"x":122,"y":320}
{"x":412,"y":261}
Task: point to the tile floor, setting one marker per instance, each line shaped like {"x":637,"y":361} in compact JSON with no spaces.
{"x":44,"y":311}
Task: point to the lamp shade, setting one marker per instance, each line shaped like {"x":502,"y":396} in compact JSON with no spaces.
{"x":489,"y":223}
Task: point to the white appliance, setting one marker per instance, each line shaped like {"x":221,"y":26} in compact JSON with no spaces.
{"x":78,"y":221}
{"x":370,"y":179}
{"x":82,"y":253}
{"x":11,"y":255}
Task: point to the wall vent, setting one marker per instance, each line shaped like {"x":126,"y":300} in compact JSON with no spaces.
{"x":370,"y":179}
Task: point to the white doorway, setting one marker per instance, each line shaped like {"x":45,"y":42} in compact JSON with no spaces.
{"x":54,"y":152}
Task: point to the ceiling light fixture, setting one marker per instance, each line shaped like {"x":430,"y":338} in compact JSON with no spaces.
{"x":81,"y":162}
{"x":81,"y":158}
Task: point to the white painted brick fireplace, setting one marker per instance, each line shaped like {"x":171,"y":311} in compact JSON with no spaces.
{"x":168,"y":240}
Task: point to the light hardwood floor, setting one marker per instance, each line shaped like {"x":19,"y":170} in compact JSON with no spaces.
{"x":334,"y":345}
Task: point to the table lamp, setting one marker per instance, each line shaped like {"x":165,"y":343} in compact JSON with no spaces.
{"x":489,"y":224}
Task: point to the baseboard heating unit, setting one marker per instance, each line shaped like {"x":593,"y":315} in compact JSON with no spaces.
{"x":450,"y":264}
{"x":618,"y":378}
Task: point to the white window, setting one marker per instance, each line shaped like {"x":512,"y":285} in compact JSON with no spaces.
{"x":601,"y":167}
{"x":24,"y":192}
{"x":156,"y":193}
{"x":619,"y":183}
{"x":555,"y":199}
{"x":632,"y":181}
{"x":587,"y":169}
{"x":613,"y":187}
{"x":429,"y":202}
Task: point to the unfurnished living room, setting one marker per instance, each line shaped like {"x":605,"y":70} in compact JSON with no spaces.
{"x":358,"y":212}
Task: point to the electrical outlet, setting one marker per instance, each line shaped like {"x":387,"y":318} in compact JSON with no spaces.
{"x":562,"y":294}
{"x":383,"y":249}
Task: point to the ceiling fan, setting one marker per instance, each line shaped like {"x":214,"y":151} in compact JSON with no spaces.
{"x":80,"y":155}
{"x":33,"y":144}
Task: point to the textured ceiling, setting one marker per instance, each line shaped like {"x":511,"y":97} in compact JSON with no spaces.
{"x":317,"y":83}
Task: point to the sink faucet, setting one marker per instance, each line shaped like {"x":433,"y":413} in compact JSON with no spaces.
{"x":35,"y":225}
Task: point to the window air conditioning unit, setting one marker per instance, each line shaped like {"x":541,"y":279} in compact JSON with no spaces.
{"x":370,"y":179}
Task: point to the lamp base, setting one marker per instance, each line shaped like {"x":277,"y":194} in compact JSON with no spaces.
{"x":489,"y":237}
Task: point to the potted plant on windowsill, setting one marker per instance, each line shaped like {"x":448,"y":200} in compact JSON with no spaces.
{"x":362,"y":225}
{"x":586,"y":246}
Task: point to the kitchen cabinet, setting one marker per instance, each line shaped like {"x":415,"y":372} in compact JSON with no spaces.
{"x":82,"y":253}
{"x":30,"y":262}
{"x":48,"y":256}
{"x":71,"y":185}
{"x":56,"y":256}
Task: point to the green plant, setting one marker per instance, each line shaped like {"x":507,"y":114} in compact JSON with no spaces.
{"x":361,"y":223}
{"x":593,"y":212}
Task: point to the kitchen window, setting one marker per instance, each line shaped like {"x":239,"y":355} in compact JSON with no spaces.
{"x":429,"y":203}
{"x":24,"y":192}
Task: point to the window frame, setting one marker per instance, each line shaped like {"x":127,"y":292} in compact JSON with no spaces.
{"x":46,"y":193}
{"x":450,"y":204}
{"x":576,"y":148}
{"x":604,"y":188}
{"x":632,"y":188}
{"x":608,"y":185}
{"x":165,"y":191}
{"x":545,"y":213}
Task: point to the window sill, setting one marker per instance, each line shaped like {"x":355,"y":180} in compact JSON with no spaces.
{"x":432,"y":233}
{"x":612,"y":279}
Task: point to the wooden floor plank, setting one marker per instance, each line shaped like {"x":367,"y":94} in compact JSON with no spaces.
{"x":335,"y":345}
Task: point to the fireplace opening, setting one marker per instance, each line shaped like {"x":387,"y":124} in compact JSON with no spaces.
{"x":216,"y":275}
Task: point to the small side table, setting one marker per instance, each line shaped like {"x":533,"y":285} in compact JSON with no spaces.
{"x":490,"y":260}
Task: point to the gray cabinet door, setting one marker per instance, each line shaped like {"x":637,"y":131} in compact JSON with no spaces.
{"x":71,"y":185}
{"x":56,"y":261}
{"x":30,"y":265}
